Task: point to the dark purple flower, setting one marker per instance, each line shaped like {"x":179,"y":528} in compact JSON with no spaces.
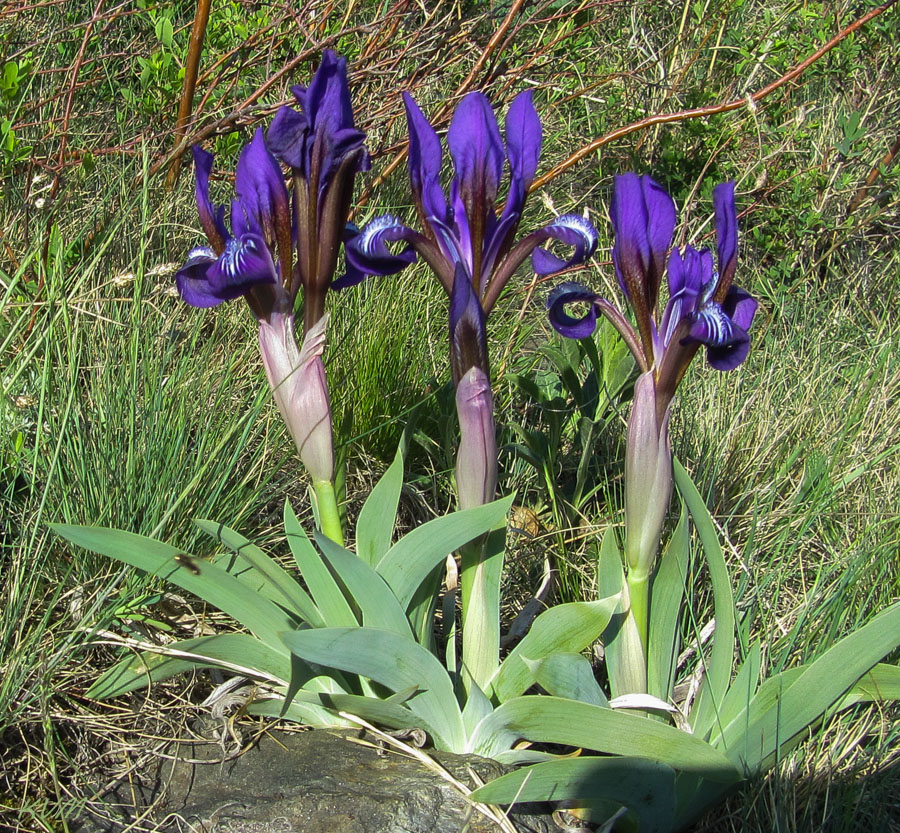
{"x":462,"y":228}
{"x":324,"y":149}
{"x":704,"y":307}
{"x":240,"y":261}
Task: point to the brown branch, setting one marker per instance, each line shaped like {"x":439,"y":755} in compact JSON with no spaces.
{"x":712,"y":109}
{"x":883,"y":163}
{"x":191,"y":68}
{"x":486,"y":53}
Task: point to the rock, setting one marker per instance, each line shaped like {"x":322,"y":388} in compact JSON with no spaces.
{"x":316,"y":781}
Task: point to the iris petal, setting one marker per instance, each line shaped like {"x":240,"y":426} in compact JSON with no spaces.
{"x":210,"y":217}
{"x":424,"y":161}
{"x":727,"y":343}
{"x":571,"y":292}
{"x":368,"y":253}
{"x":260,"y":186}
{"x":477,"y":150}
{"x":245,"y":263}
{"x":468,"y":339}
{"x":572,"y":230}
{"x":523,"y":139}
{"x":726,"y":235}
{"x":191,"y":279}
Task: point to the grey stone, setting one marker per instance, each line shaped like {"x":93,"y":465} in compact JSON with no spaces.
{"x":317,"y":781}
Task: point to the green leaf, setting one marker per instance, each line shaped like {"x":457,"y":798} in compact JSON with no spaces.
{"x":645,"y":787}
{"x":620,"y":665}
{"x":565,"y":628}
{"x":330,"y":600}
{"x":375,"y":525}
{"x":819,"y":686}
{"x":666,"y":597}
{"x":741,"y":691}
{"x":393,"y":661}
{"x":881,"y":683}
{"x":202,"y":578}
{"x":480,"y":571}
{"x":568,"y":675}
{"x":276,"y":585}
{"x":720,"y":662}
{"x":407,"y":564}
{"x":238,"y":652}
{"x":569,"y":722}
{"x":373,"y":597}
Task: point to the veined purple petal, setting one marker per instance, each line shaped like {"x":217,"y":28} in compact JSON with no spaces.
{"x":191,"y":279}
{"x":327,"y":101}
{"x":367,"y":252}
{"x":245,"y":263}
{"x":425,"y":159}
{"x":323,"y":134}
{"x":688,"y":273}
{"x":571,"y":292}
{"x":468,"y":338}
{"x":643,"y":218}
{"x":740,"y":307}
{"x":726,"y":236}
{"x":477,"y":151}
{"x":211,"y":218}
{"x":287,"y":137}
{"x":727,"y":344}
{"x":572,"y":230}
{"x":260,"y":188}
{"x":523,"y":139}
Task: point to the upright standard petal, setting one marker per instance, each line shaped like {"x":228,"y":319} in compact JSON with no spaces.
{"x":726,"y":237}
{"x":211,"y":218}
{"x":643,"y":218}
{"x":263,"y":196}
{"x":425,"y":159}
{"x":523,"y":138}
{"x":477,"y":150}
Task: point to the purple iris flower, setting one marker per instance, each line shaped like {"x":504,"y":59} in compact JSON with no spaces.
{"x":248,"y":259}
{"x":465,"y":240}
{"x":704,"y":306}
{"x":324,"y":149}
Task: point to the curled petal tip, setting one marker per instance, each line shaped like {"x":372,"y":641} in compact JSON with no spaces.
{"x":566,"y":325}
{"x":572,"y":230}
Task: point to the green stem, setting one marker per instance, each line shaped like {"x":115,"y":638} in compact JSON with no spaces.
{"x":639,"y":591}
{"x":329,"y":513}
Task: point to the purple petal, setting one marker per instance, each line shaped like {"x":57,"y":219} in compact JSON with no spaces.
{"x":192,"y":282}
{"x":726,"y":235}
{"x":643,"y":218}
{"x":287,"y":138}
{"x":424,"y":161}
{"x":210,"y":217}
{"x":245,"y":263}
{"x":367,"y":252}
{"x":260,"y":188}
{"x":740,"y":306}
{"x":572,"y":230}
{"x":523,"y":139}
{"x":327,"y":102}
{"x":571,"y":292}
{"x":727,"y":344}
{"x":468,"y":339}
{"x":477,"y":151}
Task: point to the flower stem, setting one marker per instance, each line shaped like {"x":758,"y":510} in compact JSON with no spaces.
{"x":639,"y":591}
{"x":329,"y":513}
